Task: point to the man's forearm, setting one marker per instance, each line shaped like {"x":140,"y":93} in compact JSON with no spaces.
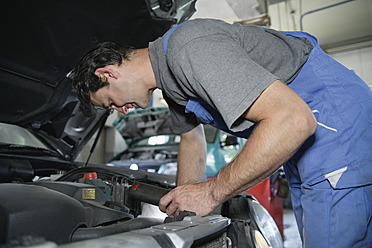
{"x":275,"y":140}
{"x":262,"y":155}
{"x":192,"y":156}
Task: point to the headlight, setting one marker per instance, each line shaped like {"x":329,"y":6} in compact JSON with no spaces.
{"x":266,"y":226}
{"x":259,"y":240}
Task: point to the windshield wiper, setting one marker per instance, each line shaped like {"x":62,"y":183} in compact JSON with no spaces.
{"x":27,"y":150}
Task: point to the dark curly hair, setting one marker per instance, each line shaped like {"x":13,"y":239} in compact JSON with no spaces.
{"x":84,"y":80}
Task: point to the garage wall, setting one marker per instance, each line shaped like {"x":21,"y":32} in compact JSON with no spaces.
{"x":332,"y":21}
{"x":343,"y":28}
{"x":359,"y":60}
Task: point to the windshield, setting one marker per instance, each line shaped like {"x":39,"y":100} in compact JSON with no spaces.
{"x":11,"y":134}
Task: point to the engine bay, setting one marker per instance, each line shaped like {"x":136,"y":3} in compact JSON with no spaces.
{"x":96,"y":206}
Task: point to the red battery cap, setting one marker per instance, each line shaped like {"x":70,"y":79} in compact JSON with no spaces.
{"x":90,"y":176}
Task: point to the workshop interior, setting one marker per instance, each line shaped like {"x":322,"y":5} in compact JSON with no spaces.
{"x":67,"y":180}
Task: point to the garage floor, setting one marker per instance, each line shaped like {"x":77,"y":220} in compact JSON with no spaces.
{"x":291,"y":236}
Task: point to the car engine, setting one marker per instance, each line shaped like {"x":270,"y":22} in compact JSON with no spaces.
{"x":98,"y":206}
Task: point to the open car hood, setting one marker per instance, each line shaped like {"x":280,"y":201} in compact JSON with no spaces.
{"x":43,"y":41}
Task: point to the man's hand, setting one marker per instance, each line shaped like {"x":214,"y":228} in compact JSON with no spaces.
{"x":195,"y":197}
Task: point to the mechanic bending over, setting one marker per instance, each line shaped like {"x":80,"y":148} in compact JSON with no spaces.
{"x":295,"y":104}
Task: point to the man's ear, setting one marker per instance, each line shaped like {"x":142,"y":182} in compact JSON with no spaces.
{"x":105,"y":73}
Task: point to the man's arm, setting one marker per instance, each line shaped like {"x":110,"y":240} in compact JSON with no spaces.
{"x":284,"y":123}
{"x":192,"y":156}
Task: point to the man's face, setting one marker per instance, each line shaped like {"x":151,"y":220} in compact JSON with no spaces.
{"x":123,"y":91}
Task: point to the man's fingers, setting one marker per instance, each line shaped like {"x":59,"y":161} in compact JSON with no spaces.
{"x":187,"y":197}
{"x":172,"y":209}
{"x":168,"y":205}
{"x":165,"y":201}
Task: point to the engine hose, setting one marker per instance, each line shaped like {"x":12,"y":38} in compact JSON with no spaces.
{"x":130,"y":225}
{"x":147,"y":193}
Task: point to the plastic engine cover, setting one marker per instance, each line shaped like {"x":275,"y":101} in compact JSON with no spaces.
{"x":38,"y":211}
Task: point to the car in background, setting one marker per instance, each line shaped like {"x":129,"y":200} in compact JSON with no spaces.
{"x":47,"y":197}
{"x":152,"y":147}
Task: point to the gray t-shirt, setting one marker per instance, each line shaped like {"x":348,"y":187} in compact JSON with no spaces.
{"x":227,"y":66}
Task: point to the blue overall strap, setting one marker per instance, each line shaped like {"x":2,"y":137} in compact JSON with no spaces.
{"x":165,"y":42}
{"x":206,"y":114}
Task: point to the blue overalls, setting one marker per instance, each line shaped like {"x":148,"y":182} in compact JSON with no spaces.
{"x":331,"y":174}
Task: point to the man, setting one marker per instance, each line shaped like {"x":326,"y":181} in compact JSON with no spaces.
{"x":295,"y":104}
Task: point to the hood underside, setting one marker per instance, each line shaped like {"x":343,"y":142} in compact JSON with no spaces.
{"x":43,"y":40}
